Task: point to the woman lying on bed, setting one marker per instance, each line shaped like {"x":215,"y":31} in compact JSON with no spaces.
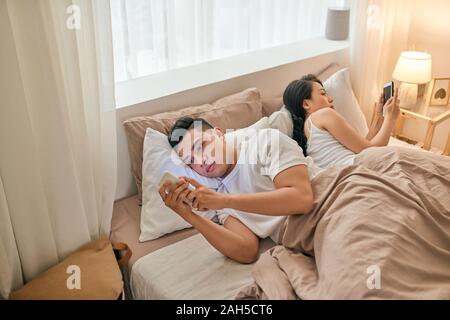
{"x":267,"y":175}
{"x":323,"y":133}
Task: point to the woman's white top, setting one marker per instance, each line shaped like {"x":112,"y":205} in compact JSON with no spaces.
{"x":325,"y":150}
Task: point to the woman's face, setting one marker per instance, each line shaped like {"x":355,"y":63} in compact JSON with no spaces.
{"x":319,"y":99}
{"x":205,"y":152}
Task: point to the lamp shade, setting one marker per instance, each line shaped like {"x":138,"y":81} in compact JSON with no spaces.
{"x":413,"y":67}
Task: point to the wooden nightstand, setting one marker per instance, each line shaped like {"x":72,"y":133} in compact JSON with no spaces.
{"x":432,"y":115}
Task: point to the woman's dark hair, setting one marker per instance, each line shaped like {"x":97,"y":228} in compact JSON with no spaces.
{"x":294,"y":95}
{"x":182,"y":125}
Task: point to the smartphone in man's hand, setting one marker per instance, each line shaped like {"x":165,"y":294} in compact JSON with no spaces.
{"x":169,"y":177}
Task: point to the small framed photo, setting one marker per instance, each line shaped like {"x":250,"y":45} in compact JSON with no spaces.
{"x":440,"y":92}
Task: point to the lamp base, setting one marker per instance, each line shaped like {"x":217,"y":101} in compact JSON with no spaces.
{"x":407,"y":94}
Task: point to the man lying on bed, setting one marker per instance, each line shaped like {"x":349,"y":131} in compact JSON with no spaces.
{"x":389,"y":212}
{"x":262,"y":181}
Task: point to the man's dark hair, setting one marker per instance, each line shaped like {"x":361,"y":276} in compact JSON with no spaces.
{"x":182,"y":125}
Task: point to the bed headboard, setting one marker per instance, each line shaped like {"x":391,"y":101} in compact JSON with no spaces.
{"x":270,"y":82}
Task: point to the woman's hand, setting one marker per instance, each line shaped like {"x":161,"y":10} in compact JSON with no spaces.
{"x":204,"y":199}
{"x":379,"y":106}
{"x":176,"y":194}
{"x":392,"y":108}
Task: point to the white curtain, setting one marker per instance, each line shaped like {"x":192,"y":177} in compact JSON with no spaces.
{"x":153,"y":36}
{"x":57,"y":132}
{"x":380,"y":30}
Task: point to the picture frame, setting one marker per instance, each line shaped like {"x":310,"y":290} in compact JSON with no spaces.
{"x":439,"y":94}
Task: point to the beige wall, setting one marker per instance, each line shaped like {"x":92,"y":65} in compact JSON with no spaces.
{"x":430,"y":32}
{"x":271,"y":83}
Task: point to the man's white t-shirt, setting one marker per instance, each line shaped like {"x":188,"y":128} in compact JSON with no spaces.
{"x":261,"y":159}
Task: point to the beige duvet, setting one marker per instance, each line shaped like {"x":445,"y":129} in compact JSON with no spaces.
{"x":379,"y":230}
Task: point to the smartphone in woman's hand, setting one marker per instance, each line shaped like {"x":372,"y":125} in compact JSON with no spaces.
{"x":388,"y":91}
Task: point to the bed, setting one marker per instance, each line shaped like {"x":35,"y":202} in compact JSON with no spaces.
{"x":379,"y":229}
{"x":201,"y":272}
{"x":182,"y":264}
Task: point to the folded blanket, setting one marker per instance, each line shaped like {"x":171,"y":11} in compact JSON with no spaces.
{"x":379,"y":229}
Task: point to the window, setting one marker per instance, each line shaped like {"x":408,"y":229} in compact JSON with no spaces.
{"x":154,"y":36}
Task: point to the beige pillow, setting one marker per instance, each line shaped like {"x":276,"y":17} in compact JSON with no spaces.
{"x":232,"y":112}
{"x":100,"y":277}
{"x":271,"y":105}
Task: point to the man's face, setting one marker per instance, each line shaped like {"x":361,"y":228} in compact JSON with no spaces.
{"x":204,"y":151}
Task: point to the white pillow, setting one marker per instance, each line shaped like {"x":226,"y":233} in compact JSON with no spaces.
{"x":339,"y":87}
{"x":238,"y":136}
{"x":282,"y":120}
{"x":158,"y":156}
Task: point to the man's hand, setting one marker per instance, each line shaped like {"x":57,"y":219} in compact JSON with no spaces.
{"x":177,"y":193}
{"x":204,"y":199}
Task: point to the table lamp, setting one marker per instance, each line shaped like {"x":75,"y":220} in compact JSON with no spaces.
{"x":412,"y":68}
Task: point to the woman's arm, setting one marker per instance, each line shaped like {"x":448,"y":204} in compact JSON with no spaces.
{"x":338,"y":127}
{"x":233,"y":240}
{"x":377,"y":120}
{"x":293,"y":195}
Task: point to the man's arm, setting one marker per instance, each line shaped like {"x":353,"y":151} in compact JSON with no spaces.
{"x":293,"y":195}
{"x":233,"y":240}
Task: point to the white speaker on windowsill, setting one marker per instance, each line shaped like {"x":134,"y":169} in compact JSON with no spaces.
{"x":338,"y":23}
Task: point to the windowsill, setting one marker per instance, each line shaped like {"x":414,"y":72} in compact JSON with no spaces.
{"x":170,"y":82}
